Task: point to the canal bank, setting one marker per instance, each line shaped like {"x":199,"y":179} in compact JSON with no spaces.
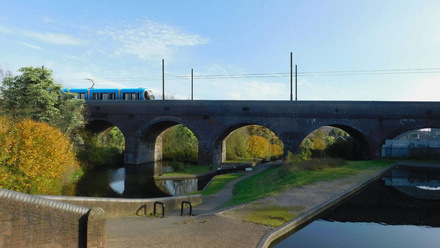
{"x":225,"y":228}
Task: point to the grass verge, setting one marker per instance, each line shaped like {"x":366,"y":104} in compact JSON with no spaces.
{"x":269,"y":215}
{"x":192,"y":170}
{"x":219,"y":183}
{"x":274,"y":180}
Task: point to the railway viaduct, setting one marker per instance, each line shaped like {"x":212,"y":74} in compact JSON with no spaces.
{"x":369,"y":122}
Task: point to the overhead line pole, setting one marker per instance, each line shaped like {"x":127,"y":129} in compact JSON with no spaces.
{"x":192,"y":84}
{"x":163,"y":79}
{"x":296,"y":82}
{"x":291,"y":65}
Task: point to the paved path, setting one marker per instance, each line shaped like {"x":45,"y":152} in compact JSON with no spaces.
{"x":213,"y":203}
{"x":205,"y":229}
{"x":213,"y":227}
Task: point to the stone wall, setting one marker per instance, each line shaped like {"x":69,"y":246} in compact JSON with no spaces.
{"x":32,"y":221}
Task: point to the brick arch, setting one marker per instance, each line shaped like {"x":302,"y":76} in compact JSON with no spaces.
{"x":409,"y":125}
{"x":149,"y":140}
{"x":364,"y":147}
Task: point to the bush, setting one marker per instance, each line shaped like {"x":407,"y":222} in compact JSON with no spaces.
{"x":179,"y":143}
{"x":100,"y":150}
{"x":177,"y":166}
{"x":93,"y":156}
{"x":341,"y":149}
{"x":35,"y":157}
{"x":299,"y":162}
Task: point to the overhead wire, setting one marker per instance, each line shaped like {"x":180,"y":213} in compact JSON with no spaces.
{"x":269,"y":75}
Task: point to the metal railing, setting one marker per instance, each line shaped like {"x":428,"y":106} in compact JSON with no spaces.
{"x":163,"y":208}
{"x":182,"y":205}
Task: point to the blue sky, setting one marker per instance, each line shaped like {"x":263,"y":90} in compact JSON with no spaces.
{"x":389,"y":49}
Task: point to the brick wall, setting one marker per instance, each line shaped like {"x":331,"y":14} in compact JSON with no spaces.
{"x":32,"y":221}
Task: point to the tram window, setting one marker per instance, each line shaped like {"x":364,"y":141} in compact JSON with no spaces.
{"x":104,"y":96}
{"x":138,"y":96}
{"x":127,"y":96}
{"x":112,"y":96}
{"x":95,"y":96}
{"x":81,"y":96}
{"x":133,"y":96}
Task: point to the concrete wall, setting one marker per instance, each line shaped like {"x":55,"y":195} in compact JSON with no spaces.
{"x":32,"y":221}
{"x":116,"y":207}
{"x":411,"y":149}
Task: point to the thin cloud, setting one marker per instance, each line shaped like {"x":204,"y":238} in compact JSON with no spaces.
{"x":150,"y":40}
{"x":53,"y":38}
{"x":5,"y":30}
{"x":58,"y":39}
{"x":48,"y":19}
{"x":31,"y":46}
{"x":254,"y":90}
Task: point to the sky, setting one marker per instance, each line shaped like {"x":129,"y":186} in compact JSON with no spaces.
{"x":238,"y":50}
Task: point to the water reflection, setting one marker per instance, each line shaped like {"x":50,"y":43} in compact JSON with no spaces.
{"x":382,"y":215}
{"x":133,"y":181}
{"x":417,"y":182}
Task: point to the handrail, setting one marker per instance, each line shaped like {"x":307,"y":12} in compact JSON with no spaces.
{"x":143,"y":207}
{"x":163,"y":208}
{"x":190,"y":207}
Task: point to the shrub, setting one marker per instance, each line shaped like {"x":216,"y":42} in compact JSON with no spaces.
{"x":341,"y":149}
{"x":298,"y":162}
{"x":35,"y":157}
{"x":177,"y":166}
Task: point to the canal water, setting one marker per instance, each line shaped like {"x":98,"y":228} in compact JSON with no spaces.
{"x":135,"y":181}
{"x":402,"y":209}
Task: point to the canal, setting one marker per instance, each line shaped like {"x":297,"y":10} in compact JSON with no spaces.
{"x":136,"y":181}
{"x":402,"y":209}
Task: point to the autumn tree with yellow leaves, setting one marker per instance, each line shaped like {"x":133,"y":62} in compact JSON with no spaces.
{"x":35,"y":157}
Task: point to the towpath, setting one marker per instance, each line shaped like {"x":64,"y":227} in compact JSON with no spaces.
{"x":215,"y":227}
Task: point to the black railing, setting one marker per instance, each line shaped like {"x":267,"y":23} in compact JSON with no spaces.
{"x":163,"y":208}
{"x":190,"y":207}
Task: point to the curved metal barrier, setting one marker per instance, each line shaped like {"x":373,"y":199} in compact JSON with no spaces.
{"x":190,"y":207}
{"x":163,"y":208}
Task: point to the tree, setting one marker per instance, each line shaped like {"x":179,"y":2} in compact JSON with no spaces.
{"x":265,"y":133}
{"x":277,"y":151}
{"x":34,"y":95}
{"x":236,"y":144}
{"x":180,"y":143}
{"x":258,"y":146}
{"x":35,"y":157}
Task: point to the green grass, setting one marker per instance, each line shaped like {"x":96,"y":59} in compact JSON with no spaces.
{"x":275,"y":180}
{"x":192,"y":170}
{"x":269,"y":215}
{"x":219,"y":183}
{"x":240,"y":160}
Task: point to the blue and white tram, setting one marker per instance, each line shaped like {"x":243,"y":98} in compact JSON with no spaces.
{"x":128,"y":94}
